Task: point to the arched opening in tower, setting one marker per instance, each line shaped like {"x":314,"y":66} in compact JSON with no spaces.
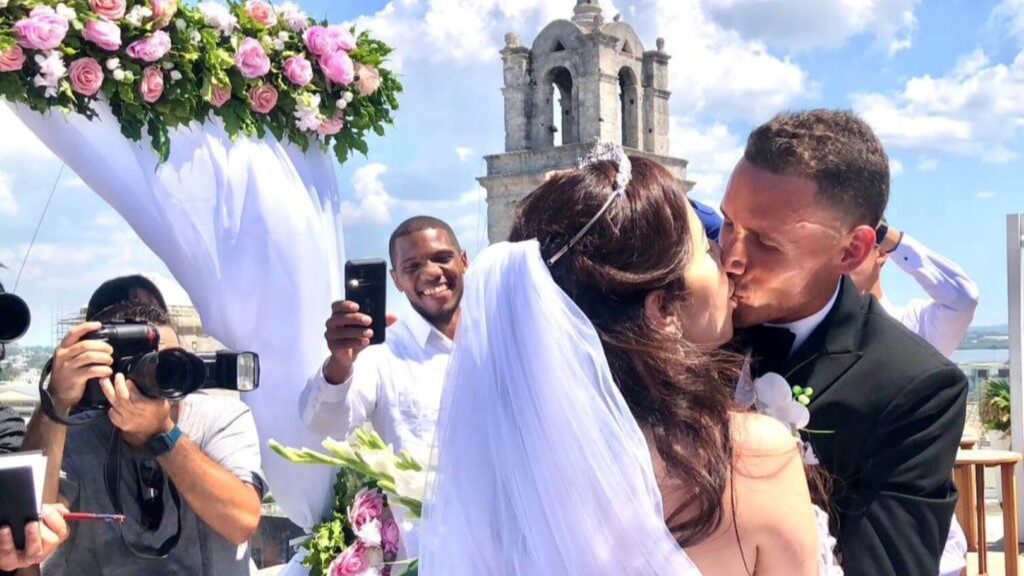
{"x":629,"y":108}
{"x":563,"y":118}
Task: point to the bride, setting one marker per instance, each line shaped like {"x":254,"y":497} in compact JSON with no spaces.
{"x":587,"y":424}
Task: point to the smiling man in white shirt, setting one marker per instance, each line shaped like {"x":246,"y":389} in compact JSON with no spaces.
{"x":395,"y":386}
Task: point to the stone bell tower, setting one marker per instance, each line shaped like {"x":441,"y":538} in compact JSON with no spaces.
{"x":582,"y":81}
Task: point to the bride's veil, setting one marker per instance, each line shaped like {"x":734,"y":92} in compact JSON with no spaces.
{"x":538,"y":468}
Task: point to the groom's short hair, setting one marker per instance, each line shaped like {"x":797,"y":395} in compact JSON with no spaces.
{"x":419,"y":224}
{"x":837,"y":150}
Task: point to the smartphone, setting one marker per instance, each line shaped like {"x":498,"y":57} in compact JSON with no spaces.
{"x":366,"y":285}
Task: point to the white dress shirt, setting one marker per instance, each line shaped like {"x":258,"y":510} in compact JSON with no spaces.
{"x":395,"y":386}
{"x":944,"y":319}
{"x":802,"y":329}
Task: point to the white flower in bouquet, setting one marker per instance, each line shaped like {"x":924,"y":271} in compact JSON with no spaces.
{"x":382,"y":462}
{"x":219,"y":17}
{"x":119,"y":75}
{"x":138,"y":14}
{"x":341,"y":449}
{"x":410,"y":484}
{"x":370,"y":533}
{"x":113,"y":64}
{"x":66,"y":12}
{"x":294,"y":17}
{"x":3,"y":4}
{"x":51,"y":70}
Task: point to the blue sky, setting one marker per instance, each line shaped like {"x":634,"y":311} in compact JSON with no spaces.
{"x":941,"y":82}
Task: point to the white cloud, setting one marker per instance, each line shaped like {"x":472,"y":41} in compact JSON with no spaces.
{"x":927,"y":164}
{"x":895,"y":167}
{"x":985,"y":195}
{"x":712,"y":151}
{"x":8,"y":205}
{"x":1008,"y":18}
{"x":374,"y":201}
{"x":975,"y":110}
{"x":806,"y":24}
{"x":464,"y":153}
{"x":19,"y":144}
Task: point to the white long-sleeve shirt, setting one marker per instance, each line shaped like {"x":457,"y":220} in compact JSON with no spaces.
{"x":943,"y":319}
{"x":395,"y":386}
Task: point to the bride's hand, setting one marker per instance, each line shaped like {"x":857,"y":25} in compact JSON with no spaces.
{"x":348,"y":332}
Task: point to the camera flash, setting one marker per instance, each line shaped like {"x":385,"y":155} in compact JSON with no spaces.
{"x":353,"y":283}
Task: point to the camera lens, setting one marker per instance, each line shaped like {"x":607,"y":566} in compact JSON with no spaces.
{"x":170,"y":373}
{"x":14,"y":318}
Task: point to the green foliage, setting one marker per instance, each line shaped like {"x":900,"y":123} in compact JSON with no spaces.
{"x":995,"y":406}
{"x":201,"y":59}
{"x":331,"y":536}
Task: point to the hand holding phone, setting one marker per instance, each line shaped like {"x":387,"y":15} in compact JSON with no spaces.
{"x":359,"y":320}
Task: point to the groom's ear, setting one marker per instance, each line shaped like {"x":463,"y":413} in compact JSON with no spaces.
{"x":860,"y":243}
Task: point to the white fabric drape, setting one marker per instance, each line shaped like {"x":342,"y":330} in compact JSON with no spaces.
{"x":251,"y":230}
{"x":539,"y":466}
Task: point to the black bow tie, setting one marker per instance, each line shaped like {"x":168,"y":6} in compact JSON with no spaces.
{"x":769,"y":348}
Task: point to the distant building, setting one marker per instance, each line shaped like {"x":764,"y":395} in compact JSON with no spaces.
{"x":184,"y":318}
{"x":23,"y":404}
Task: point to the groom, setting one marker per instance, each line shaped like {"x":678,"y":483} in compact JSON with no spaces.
{"x":887,"y":410}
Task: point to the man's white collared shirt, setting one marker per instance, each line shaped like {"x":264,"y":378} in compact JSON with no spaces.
{"x":944,"y":317}
{"x":395,"y":386}
{"x":802,"y":328}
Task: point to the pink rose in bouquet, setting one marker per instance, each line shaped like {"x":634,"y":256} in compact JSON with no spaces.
{"x":368,"y":504}
{"x":323,"y":41}
{"x":102,"y":33}
{"x":12,"y":59}
{"x":262,"y":98}
{"x":220,"y":96}
{"x":251,"y":59}
{"x":338,"y":68}
{"x":151,"y":48}
{"x":351,"y":562}
{"x":391,"y":536}
{"x":86,"y":76}
{"x":43,"y":29}
{"x":298,"y":70}
{"x":109,"y":9}
{"x":261,"y":12}
{"x":152,"y":86}
{"x":163,"y":11}
{"x":367,"y":79}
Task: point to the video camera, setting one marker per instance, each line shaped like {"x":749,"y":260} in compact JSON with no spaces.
{"x":171,"y":373}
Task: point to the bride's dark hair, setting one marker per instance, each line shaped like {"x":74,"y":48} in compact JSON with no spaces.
{"x":680,"y":395}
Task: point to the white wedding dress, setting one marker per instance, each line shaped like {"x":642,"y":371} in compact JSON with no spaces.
{"x":538,"y":466}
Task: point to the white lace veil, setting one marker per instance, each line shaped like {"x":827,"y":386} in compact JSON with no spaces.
{"x":539,"y":467}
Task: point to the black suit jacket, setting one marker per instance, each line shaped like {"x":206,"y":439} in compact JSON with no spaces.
{"x":891,"y":409}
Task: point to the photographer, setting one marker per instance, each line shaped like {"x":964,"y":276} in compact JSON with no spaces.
{"x":185,"y":474}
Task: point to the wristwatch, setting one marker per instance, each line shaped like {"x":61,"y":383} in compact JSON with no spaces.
{"x":880,"y":233}
{"x":163,"y":443}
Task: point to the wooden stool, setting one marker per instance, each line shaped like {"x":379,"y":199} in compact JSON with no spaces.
{"x":964,"y":481}
{"x":978,"y":460}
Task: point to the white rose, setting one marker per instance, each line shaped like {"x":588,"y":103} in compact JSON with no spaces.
{"x":119,"y":75}
{"x":113,"y":63}
{"x":175,"y":75}
{"x":341,"y":104}
{"x":180,"y":24}
{"x":65,"y":12}
{"x":167,"y":65}
{"x":347,"y":96}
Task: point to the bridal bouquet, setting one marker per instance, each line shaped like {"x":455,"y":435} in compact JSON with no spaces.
{"x":362,"y":537}
{"x":259,"y":67}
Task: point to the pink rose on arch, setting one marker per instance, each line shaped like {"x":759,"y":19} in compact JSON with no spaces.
{"x":368,"y":504}
{"x":298,"y":70}
{"x":220,"y":96}
{"x":43,"y":29}
{"x":261,"y":12}
{"x":330,"y":127}
{"x":367,"y":79}
{"x":163,"y":11}
{"x":251,"y":59}
{"x":152,"y":86}
{"x":102,"y":33}
{"x":151,"y":48}
{"x":262,"y":98}
{"x":86,"y":76}
{"x":12,"y":59}
{"x":351,"y":562}
{"x":391,"y":536}
{"x":323,"y":41}
{"x":338,"y":68}
{"x":109,"y":9}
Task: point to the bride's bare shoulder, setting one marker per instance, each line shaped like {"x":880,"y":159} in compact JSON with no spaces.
{"x":757,"y":435}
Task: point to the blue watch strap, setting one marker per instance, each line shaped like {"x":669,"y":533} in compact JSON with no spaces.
{"x":163,"y":443}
